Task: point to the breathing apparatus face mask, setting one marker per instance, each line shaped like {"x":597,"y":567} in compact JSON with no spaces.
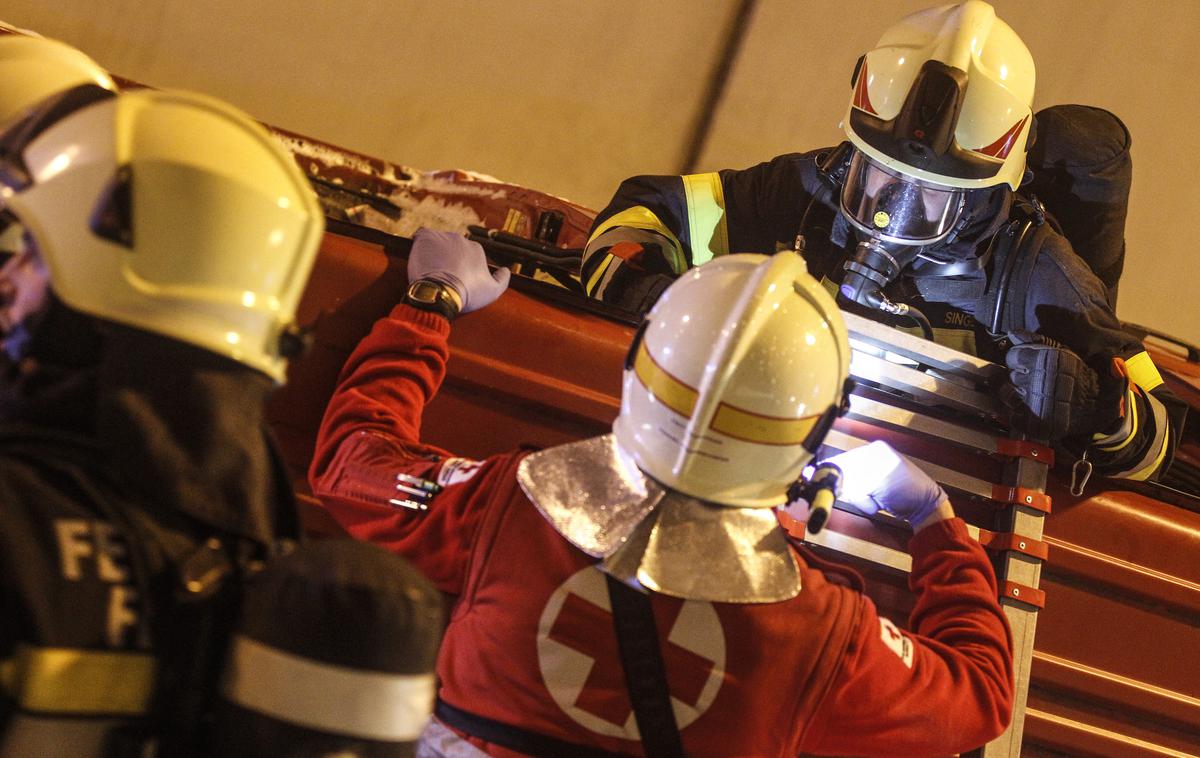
{"x":895,"y":217}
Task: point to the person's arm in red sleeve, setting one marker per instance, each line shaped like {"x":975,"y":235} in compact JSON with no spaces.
{"x":369,"y":439}
{"x":946,"y":686}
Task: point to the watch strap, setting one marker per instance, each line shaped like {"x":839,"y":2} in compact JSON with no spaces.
{"x":434,"y":296}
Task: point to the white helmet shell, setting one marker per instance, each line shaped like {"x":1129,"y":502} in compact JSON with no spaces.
{"x":169,"y":212}
{"x":740,"y":361}
{"x":969,"y":128}
{"x":34,"y":68}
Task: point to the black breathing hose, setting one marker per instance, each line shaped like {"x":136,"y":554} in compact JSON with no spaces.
{"x":922,"y":321}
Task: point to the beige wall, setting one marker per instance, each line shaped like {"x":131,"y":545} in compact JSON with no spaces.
{"x":570,"y":97}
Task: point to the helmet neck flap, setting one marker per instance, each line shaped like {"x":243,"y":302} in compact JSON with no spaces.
{"x":729,"y":388}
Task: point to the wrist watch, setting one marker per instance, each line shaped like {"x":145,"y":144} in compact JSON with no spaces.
{"x":431,"y":295}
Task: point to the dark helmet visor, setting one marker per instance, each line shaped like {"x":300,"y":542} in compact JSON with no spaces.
{"x":897,"y":208}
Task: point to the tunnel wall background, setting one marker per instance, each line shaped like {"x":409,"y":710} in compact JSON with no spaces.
{"x":570,"y":97}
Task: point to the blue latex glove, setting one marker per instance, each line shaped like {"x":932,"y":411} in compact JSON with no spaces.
{"x":876,"y":477}
{"x":458,"y":263}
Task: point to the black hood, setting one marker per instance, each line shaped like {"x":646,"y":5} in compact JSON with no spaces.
{"x":185,"y":427}
{"x":51,"y":383}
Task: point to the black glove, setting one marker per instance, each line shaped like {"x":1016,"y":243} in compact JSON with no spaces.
{"x":1053,"y":392}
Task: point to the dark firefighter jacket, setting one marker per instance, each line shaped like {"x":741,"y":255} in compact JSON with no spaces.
{"x":114,"y":482}
{"x":656,"y":227}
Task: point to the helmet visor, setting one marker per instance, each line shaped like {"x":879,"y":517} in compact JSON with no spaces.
{"x":898,"y":208}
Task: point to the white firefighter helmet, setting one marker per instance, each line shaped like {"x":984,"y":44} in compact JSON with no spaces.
{"x":945,"y":99}
{"x":740,"y":361}
{"x":729,"y":388}
{"x":34,"y":68}
{"x":168,"y":212}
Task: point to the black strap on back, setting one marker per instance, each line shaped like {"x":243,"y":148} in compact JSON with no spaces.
{"x":645,"y":673}
{"x":1002,"y":307}
{"x":645,"y":681}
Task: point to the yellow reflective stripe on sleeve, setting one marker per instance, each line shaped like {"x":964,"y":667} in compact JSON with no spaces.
{"x":1128,"y":429}
{"x":1143,"y":372}
{"x":598,"y":274}
{"x":671,"y":392}
{"x":765,"y":430}
{"x":1145,"y":473}
{"x":69,"y":680}
{"x":641,"y":217}
{"x":706,"y":216}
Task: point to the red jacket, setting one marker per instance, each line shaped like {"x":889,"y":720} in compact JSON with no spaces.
{"x":530,"y":641}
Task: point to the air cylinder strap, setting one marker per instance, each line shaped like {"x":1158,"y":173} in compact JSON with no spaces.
{"x":645,"y":672}
{"x":1002,"y":307}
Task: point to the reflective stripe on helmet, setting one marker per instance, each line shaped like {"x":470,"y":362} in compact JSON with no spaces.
{"x":326,"y":697}
{"x":83,"y":682}
{"x":729,"y":420}
{"x":765,"y":430}
{"x":671,"y":392}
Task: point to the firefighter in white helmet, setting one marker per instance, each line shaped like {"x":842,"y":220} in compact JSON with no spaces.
{"x":32,"y":69}
{"x":140,"y":489}
{"x":634,"y":592}
{"x":918,"y":217}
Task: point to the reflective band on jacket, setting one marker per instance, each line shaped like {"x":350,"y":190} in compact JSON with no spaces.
{"x":1143,"y":372}
{"x":641,"y":217}
{"x":1157,"y":452}
{"x":706,"y":216}
{"x":27,"y":734}
{"x":81,"y":682}
{"x":1124,"y":435}
{"x":325,"y":697}
{"x":598,"y":275}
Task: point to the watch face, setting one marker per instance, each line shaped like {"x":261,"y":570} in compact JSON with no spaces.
{"x":424,"y":291}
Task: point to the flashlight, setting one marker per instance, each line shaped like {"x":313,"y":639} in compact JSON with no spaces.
{"x":819,"y":489}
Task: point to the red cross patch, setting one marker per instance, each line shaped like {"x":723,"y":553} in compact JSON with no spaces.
{"x":899,"y":643}
{"x":581,"y":666}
